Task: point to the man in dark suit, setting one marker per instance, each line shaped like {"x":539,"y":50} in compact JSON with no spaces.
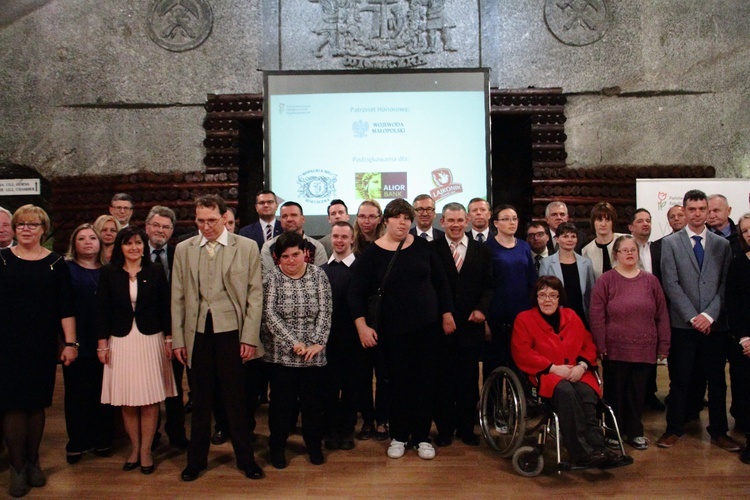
{"x":555,"y":214}
{"x":266,"y":227}
{"x":479,"y":215}
{"x":694,"y":264}
{"x":159,"y":228}
{"x":424,"y":206}
{"x":468,"y":265}
{"x":537,"y":236}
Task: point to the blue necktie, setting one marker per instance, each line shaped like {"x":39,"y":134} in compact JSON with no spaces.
{"x":480,"y":238}
{"x":698,"y":250}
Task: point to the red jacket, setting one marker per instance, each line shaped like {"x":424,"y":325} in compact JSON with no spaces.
{"x":536,"y":347}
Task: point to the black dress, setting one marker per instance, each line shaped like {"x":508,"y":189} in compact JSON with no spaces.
{"x":34,"y":297}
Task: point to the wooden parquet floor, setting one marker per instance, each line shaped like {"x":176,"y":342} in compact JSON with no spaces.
{"x":692,"y":469}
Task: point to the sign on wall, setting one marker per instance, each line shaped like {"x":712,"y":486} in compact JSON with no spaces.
{"x":16,"y":187}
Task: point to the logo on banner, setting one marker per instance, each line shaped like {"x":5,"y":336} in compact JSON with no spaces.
{"x":380,"y":185}
{"x":662,"y":200}
{"x":444,"y":185}
{"x":317,"y":186}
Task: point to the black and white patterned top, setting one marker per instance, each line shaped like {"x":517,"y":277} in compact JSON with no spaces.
{"x":294,"y":311}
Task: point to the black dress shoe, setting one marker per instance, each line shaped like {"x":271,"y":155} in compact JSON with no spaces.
{"x":442,"y":441}
{"x":593,"y":459}
{"x":278,"y":459}
{"x":131,"y":465}
{"x":253,"y":471}
{"x":190,"y":473}
{"x":148,"y":469}
{"x":366,"y":432}
{"x":180,"y":442}
{"x":347,"y":442}
{"x":382,"y":435}
{"x":470,"y":439}
{"x":73,"y":458}
{"x":316,"y":457}
{"x":103,"y":452}
{"x":219,"y":437}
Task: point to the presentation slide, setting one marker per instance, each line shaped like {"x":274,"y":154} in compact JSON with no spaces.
{"x":382,"y":138}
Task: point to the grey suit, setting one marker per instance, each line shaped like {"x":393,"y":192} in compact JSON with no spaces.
{"x":692,"y":290}
{"x":550,"y":266}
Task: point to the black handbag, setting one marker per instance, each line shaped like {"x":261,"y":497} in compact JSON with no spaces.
{"x":375,"y":301}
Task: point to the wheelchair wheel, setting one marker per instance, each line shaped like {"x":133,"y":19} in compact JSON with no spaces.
{"x":502,"y":411}
{"x":528,"y":461}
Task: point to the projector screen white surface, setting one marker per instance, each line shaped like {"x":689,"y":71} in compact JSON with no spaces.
{"x":355,"y":136}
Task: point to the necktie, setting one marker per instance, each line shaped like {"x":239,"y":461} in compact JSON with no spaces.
{"x":456,"y":256}
{"x":157,"y":253}
{"x":423,"y":235}
{"x":269,"y":232}
{"x":211,"y":247}
{"x":538,"y":262}
{"x":480,"y":238}
{"x":698,"y":250}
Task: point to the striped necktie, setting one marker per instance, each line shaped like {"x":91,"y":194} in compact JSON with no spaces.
{"x":456,"y":255}
{"x":269,"y":232}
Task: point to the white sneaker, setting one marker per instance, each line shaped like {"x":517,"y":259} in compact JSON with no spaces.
{"x":425,"y":451}
{"x":397,"y":449}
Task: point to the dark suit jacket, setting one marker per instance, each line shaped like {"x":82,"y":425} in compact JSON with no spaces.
{"x":116,"y":313}
{"x":492,"y":233}
{"x":437,"y":234}
{"x":170,"y":257}
{"x":655,"y":248}
{"x":471,"y":288}
{"x":692,"y":290}
{"x":254,"y":231}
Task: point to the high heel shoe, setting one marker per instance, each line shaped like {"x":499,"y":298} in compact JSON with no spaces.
{"x":148,"y":469}
{"x":131,"y":465}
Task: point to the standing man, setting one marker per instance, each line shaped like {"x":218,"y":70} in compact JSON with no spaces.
{"x":538,"y":238}
{"x":340,"y":374}
{"x":720,"y":223}
{"x":6,"y":230}
{"x":424,"y":206}
{"x":337,"y":211}
{"x":640,"y":228}
{"x":480,"y":214}
{"x":555,"y":214}
{"x":292,"y":219}
{"x":217,"y":298}
{"x":266,"y":227}
{"x":159,"y":228}
{"x":676,"y":220}
{"x":468,"y":265}
{"x":121,"y":208}
{"x":694,"y":266}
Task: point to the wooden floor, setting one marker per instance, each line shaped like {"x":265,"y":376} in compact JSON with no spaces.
{"x":692,"y":469}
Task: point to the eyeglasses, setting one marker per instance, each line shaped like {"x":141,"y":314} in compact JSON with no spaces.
{"x":207,"y":222}
{"x":265,"y":202}
{"x":121,"y":208}
{"x":427,"y":210}
{"x":28,"y":225}
{"x":548,"y":296}
{"x":508,"y":219}
{"x":159,"y":227}
{"x":628,"y":250}
{"x":538,"y":235}
{"x":368,"y":217}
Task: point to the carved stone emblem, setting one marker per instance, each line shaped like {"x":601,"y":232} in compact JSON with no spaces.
{"x":179,"y":25}
{"x":383,"y":33}
{"x":578,"y":22}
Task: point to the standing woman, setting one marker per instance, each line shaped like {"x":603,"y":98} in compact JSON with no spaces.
{"x":135,"y":343}
{"x":416,"y":309}
{"x":630,"y":325}
{"x":37,"y":313}
{"x":297,"y":308}
{"x":89,"y":422}
{"x":603,"y":217}
{"x":513,"y":275}
{"x":368,"y":226}
{"x":107,"y":227}
{"x":575,"y":271}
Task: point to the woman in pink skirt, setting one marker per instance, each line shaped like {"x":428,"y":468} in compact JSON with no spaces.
{"x":135,"y":344}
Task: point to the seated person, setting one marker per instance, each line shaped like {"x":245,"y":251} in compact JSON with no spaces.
{"x":550,"y":344}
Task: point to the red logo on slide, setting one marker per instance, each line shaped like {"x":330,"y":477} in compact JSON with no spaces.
{"x":443,"y":180}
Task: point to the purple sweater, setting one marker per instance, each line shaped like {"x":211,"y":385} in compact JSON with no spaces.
{"x":629,"y":317}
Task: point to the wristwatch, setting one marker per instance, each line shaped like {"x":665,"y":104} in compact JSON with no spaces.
{"x":72,"y":344}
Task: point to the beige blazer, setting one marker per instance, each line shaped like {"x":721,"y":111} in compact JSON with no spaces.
{"x":240,"y":267}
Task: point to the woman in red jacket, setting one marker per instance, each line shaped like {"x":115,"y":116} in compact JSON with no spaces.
{"x":550,"y":344}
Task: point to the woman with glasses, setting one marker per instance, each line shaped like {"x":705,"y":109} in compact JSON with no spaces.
{"x":36,"y":308}
{"x":630,"y":324}
{"x":513,"y":274}
{"x":89,"y":422}
{"x":135,"y":343}
{"x":603,"y":217}
{"x":368,"y":226}
{"x":107,"y":227}
{"x":552,"y":347}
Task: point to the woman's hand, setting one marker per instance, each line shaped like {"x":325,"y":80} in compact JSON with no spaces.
{"x":69,"y":354}
{"x":181,"y":354}
{"x":576,"y":373}
{"x":560,"y":370}
{"x":168,"y":350}
{"x":103,"y":356}
{"x":449,"y":324}
{"x":299,"y":349}
{"x":312,"y":350}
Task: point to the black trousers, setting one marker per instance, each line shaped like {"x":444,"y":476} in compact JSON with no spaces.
{"x":410,"y":360}
{"x":739,"y":373}
{"x":457,"y":391}
{"x":575,"y":405}
{"x":496,"y":352}
{"x":90,"y":424}
{"x":288,"y":387}
{"x":216,"y":363}
{"x":175,"y":406}
{"x":373,"y":409}
{"x":255,"y":382}
{"x":339,"y":389}
{"x":688,"y":347}
{"x":625,"y":387}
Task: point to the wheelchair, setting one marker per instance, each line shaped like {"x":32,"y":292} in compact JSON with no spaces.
{"x":511,"y":414}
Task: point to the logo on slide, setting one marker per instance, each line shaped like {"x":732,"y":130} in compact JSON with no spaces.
{"x":360,"y":128}
{"x":317,"y":186}
{"x":444,"y":185}
{"x":662,"y":200}
{"x":380,"y":185}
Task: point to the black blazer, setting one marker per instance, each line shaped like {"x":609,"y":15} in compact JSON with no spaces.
{"x":255,"y":232}
{"x":437,"y":234}
{"x":116,"y":313}
{"x":471,"y":288}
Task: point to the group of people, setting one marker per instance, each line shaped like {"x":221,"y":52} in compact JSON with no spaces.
{"x":390,"y":297}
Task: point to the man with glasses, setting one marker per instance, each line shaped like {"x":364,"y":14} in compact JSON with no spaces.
{"x":217,"y":298}
{"x":121,"y":208}
{"x":292,"y":219}
{"x":6,"y":230}
{"x":424,"y":207}
{"x":538,"y":239}
{"x":266,"y":227}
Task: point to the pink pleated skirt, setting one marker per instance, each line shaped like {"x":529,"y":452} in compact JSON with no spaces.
{"x":138,"y":372}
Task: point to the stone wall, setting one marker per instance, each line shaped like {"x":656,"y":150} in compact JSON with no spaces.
{"x":87,"y":91}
